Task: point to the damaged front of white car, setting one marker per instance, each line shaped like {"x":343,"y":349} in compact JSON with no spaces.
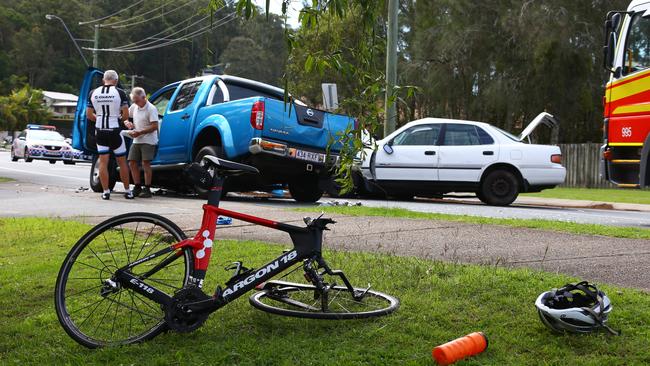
{"x":433,"y":156}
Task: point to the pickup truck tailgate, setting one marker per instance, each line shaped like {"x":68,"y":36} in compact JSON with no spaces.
{"x":304,"y":126}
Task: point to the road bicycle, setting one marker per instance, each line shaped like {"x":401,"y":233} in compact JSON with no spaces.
{"x":136,"y":275}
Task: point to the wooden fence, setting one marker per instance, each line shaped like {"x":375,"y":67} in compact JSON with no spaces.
{"x":582,"y":166}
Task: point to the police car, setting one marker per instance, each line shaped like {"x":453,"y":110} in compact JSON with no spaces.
{"x":41,"y":142}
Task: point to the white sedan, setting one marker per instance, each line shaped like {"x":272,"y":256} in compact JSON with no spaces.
{"x":433,"y":156}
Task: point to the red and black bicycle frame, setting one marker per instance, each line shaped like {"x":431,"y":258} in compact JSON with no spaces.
{"x":307,"y":243}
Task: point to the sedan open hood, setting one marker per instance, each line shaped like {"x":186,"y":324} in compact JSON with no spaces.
{"x":543,"y":118}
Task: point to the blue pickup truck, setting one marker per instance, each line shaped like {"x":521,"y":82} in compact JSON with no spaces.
{"x":236,"y":119}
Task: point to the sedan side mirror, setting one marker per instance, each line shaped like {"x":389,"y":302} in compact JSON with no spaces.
{"x":388,"y":149}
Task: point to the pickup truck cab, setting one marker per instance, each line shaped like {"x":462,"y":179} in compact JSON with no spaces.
{"x":235,"y":119}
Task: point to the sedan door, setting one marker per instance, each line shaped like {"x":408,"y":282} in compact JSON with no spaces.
{"x":412,"y":155}
{"x":464,"y":151}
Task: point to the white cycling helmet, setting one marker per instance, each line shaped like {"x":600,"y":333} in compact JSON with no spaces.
{"x":575,"y":308}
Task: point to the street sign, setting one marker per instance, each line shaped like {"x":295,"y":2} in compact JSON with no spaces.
{"x":330,"y":97}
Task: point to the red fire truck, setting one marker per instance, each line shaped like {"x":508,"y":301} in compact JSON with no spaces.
{"x":626,"y":151}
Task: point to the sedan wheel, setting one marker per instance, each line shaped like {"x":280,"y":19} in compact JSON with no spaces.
{"x":13,"y":155}
{"x":26,"y":155}
{"x":499,"y":188}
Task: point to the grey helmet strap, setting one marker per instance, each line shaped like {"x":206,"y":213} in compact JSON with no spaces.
{"x":599,"y":317}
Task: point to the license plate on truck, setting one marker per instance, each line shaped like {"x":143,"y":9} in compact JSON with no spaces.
{"x":307,"y":155}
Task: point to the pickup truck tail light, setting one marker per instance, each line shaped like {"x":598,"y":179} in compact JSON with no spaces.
{"x":556,"y":158}
{"x":257,"y":115}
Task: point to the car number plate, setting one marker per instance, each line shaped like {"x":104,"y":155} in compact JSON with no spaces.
{"x":308,"y":156}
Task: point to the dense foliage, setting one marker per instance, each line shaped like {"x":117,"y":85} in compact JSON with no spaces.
{"x":501,"y":61}
{"x":20,"y":107}
{"x":41,"y":51}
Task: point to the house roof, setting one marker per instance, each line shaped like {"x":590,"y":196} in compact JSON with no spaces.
{"x":60,"y":96}
{"x":65,"y":104}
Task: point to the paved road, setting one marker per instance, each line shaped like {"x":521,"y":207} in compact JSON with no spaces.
{"x":73,"y":177}
{"x":44,"y":190}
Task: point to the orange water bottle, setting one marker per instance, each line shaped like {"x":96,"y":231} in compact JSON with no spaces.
{"x":456,"y":350}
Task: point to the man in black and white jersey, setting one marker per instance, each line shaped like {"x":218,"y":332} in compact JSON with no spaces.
{"x":108,"y":107}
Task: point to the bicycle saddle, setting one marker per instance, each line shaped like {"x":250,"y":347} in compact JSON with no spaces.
{"x":229,"y":167}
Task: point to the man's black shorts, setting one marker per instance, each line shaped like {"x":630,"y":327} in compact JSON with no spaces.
{"x":110,"y":140}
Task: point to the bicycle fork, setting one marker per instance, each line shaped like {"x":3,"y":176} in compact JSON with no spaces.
{"x":316,"y":278}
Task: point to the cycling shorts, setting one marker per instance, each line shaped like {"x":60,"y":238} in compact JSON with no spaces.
{"x":110,"y":140}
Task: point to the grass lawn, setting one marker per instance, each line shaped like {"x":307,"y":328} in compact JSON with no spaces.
{"x":5,"y":180}
{"x":439,"y":302}
{"x":601,"y":195}
{"x":563,"y":226}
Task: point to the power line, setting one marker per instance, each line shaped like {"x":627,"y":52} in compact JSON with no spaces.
{"x":154,"y":17}
{"x":137,"y":16}
{"x":184,"y":38}
{"x":227,"y":19}
{"x":150,"y":40}
{"x":161,"y":33}
{"x":112,"y":15}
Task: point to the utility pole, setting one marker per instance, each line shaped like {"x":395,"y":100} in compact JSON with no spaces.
{"x":133,"y":77}
{"x":96,"y":46}
{"x":390,"y":116}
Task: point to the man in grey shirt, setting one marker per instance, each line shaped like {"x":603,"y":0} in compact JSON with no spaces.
{"x":143,"y":123}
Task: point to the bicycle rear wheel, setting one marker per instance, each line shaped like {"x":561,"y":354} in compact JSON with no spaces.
{"x":304,"y":301}
{"x":92,"y":307}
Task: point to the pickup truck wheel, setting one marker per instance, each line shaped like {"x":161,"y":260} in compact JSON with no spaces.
{"x":306,"y":189}
{"x":208,"y":150}
{"x":95,"y":184}
{"x":334,"y":189}
{"x":499,"y":188}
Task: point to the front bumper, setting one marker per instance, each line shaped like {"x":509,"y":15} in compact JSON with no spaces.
{"x":47,"y":154}
{"x":310,"y":157}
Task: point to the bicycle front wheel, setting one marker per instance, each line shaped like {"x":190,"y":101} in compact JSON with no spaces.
{"x":304,"y":301}
{"x":92,"y":307}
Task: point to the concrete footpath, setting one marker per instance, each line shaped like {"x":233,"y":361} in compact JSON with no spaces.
{"x":617,"y":261}
{"x":558,"y":203}
{"x":600,"y":205}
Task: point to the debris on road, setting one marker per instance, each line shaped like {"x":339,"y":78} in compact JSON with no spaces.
{"x":340,"y":203}
{"x":224,"y":220}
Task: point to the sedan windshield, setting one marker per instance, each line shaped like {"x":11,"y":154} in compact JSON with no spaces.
{"x":46,"y":135}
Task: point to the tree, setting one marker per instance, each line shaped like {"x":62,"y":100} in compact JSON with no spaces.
{"x":243,"y":57}
{"x":22,"y":106}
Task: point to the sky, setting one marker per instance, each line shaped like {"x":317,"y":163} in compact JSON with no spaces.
{"x":276,"y":8}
